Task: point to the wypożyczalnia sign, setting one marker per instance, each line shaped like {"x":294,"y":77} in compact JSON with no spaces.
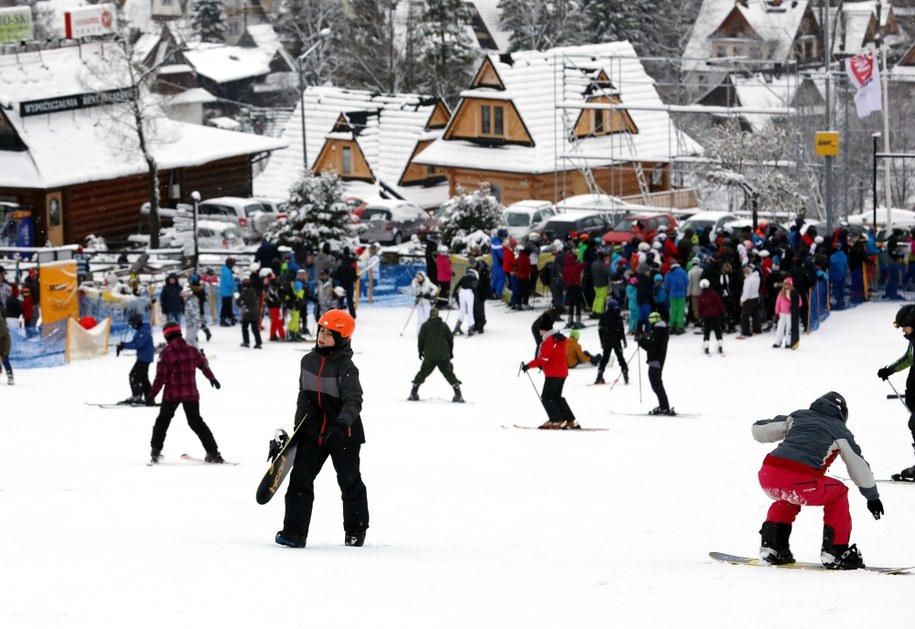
{"x":74,"y":101}
{"x":16,"y":25}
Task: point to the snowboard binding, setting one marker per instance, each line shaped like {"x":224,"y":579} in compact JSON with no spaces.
{"x":279,"y":440}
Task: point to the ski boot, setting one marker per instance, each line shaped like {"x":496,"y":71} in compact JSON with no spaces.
{"x":600,"y":378}
{"x":571,"y":425}
{"x":214,"y":457}
{"x":721,"y":349}
{"x":206,"y":331}
{"x":548,"y":425}
{"x":155,"y":455}
{"x":133,"y":400}
{"x":657,"y":410}
{"x":457,"y":394}
{"x":908,"y":475}
{"x":354,"y":536}
{"x":457,"y":330}
{"x":414,"y":393}
{"x":289,"y":539}
{"x":705,"y":348}
{"x":626,"y":377}
{"x":839,"y":556}
{"x":9,"y":378}
{"x":774,"y":549}
{"x":595,"y":359}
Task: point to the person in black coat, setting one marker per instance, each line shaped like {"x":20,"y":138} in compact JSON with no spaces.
{"x":612,"y":335}
{"x":654,"y":342}
{"x":436,"y":349}
{"x":170,"y":299}
{"x":346,"y":277}
{"x":328,"y":407}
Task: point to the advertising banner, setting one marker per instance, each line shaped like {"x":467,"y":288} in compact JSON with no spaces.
{"x":59,"y":291}
{"x":89,"y":20}
{"x":16,"y":25}
{"x":864,"y":73}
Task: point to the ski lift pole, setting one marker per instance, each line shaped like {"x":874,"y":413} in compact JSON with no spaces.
{"x":410,"y":316}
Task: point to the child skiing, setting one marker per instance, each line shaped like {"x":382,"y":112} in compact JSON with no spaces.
{"x":552,"y":360}
{"x":905,"y":321}
{"x":612,"y":339}
{"x":330,"y":403}
{"x":436,"y":349}
{"x":654,"y":342}
{"x":142,"y":342}
{"x":793,"y":475}
{"x":176,"y":372}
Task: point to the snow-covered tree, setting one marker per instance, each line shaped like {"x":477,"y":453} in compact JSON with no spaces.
{"x":299,"y":24}
{"x":449,"y":54}
{"x":209,"y":20}
{"x":466,"y":214}
{"x":539,"y":25}
{"x":317,"y":211}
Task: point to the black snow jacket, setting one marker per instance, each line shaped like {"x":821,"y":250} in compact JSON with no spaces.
{"x":436,"y":342}
{"x":330,"y":392}
{"x":610,"y":328}
{"x":655,"y":344}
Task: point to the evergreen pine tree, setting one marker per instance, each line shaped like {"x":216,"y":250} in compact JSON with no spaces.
{"x":317,"y":211}
{"x":372,"y":57}
{"x":469,"y":219}
{"x":209,"y":20}
{"x":539,"y":25}
{"x":450,"y":53}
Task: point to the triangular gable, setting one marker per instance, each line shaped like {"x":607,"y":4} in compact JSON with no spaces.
{"x":722,"y":95}
{"x":420,"y":173}
{"x":464,"y":123}
{"x":440,"y":116}
{"x":341,"y":125}
{"x":614,"y":120}
{"x":9,"y":138}
{"x":908,"y":59}
{"x":487,"y":76}
{"x":735,"y":25}
{"x":331,"y":159}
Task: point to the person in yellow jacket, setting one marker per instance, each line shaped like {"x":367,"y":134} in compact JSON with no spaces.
{"x":575,"y":355}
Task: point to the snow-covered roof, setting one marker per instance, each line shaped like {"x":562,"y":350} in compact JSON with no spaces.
{"x":531,"y":77}
{"x":491,"y":16}
{"x":78,"y":146}
{"x":394,"y":123}
{"x":223,"y":64}
{"x":776,"y":28}
{"x":758,"y":91}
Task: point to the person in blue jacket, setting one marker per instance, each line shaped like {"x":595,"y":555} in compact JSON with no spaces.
{"x":498,"y":273}
{"x":838,"y":272}
{"x":676,"y":283}
{"x":227,"y":288}
{"x":170,"y":299}
{"x":142,"y":342}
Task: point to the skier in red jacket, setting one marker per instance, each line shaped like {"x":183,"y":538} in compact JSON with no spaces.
{"x":552,"y":360}
{"x":176,"y":371}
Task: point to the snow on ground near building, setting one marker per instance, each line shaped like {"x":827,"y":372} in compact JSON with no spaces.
{"x":471,"y":524}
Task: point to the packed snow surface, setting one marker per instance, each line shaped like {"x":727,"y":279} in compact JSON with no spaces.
{"x":472,"y":524}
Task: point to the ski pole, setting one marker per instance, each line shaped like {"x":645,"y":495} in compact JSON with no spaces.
{"x":638,"y":355}
{"x":410,"y":316}
{"x":535,"y":387}
{"x":899,"y":397}
{"x":628,"y":362}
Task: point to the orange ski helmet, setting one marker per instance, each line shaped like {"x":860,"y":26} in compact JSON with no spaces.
{"x":338,"y":321}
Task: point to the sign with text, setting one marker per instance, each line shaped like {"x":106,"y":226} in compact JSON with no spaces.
{"x":827,"y":143}
{"x":90,"y":20}
{"x":74,"y":101}
{"x":16,"y":25}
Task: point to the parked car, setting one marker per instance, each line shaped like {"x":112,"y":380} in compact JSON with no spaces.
{"x":522,"y":217}
{"x":645,"y":226}
{"x":560,"y":226}
{"x":250,"y":215}
{"x":394,"y":221}
{"x":210,"y":235}
{"x":357,"y":206}
{"x":709,"y":222}
{"x":614,"y":206}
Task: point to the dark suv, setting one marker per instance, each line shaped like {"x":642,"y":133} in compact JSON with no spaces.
{"x":595,"y":224}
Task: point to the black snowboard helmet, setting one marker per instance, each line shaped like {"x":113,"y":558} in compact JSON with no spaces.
{"x":837,"y":401}
{"x":905,"y":317}
{"x":135,"y":320}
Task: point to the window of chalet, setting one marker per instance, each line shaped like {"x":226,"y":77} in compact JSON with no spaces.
{"x":492,"y":120}
{"x":599,"y":127}
{"x":347,"y":157}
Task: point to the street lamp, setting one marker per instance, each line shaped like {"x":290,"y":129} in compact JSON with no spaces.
{"x":875,"y":137}
{"x":300,"y":61}
{"x":195,"y":197}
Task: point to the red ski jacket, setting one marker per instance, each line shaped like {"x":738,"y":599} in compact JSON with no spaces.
{"x":552,"y":356}
{"x":176,"y":370}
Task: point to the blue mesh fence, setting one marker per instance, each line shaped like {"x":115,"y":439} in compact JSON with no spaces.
{"x":119,"y":311}
{"x":29,"y":351}
{"x":819,"y":305}
{"x":393,"y":287}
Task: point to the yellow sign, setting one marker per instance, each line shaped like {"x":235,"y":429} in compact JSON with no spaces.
{"x":59,"y":295}
{"x":827,"y":143}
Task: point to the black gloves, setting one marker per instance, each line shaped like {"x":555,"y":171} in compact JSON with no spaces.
{"x":215,"y":384}
{"x":332,"y":437}
{"x":120,"y":346}
{"x":524,"y":367}
{"x":884,"y":372}
{"x":875,"y":507}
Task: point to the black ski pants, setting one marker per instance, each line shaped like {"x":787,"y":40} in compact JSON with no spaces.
{"x":657,"y":385}
{"x":615,"y":346}
{"x":194,"y":420}
{"x":300,"y":496}
{"x":139,"y":379}
{"x":429,"y":366}
{"x":557,"y":409}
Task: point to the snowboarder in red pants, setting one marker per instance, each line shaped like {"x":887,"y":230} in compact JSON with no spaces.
{"x":794,"y":476}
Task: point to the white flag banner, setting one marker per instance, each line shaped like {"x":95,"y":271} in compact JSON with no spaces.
{"x":865,"y":76}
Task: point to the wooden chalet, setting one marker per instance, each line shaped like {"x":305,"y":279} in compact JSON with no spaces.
{"x":524,"y":127}
{"x":61,"y":159}
{"x":370,"y":140}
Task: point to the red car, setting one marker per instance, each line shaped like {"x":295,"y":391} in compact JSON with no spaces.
{"x":645,"y":226}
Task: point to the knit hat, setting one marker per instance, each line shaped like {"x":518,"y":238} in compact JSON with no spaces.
{"x":789,"y":281}
{"x":171,"y":329}
{"x":575,"y":334}
{"x":433,"y":312}
{"x":704,"y":283}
